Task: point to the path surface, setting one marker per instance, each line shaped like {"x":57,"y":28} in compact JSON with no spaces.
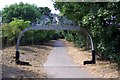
{"x":59,"y":64}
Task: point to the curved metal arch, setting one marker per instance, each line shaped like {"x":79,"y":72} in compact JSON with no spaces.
{"x":53,"y":27}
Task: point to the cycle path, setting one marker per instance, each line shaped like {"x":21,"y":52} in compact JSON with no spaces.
{"x":60,"y":65}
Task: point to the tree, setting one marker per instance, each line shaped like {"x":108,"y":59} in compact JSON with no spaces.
{"x":20,"y":11}
{"x":101,"y":20}
{"x":18,"y":17}
{"x":44,"y":10}
{"x":12,"y":30}
{"x":0,"y":13}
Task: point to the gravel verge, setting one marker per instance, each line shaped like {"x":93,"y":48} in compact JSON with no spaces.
{"x":102,"y":69}
{"x":35,"y":54}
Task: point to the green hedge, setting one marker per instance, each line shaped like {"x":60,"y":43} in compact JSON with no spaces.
{"x":101,"y":20}
{"x":12,"y":30}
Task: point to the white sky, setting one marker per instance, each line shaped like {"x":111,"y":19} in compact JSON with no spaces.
{"x":39,"y":3}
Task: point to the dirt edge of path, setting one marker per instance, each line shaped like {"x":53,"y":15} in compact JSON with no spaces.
{"x":102,"y":69}
{"x":35,"y":54}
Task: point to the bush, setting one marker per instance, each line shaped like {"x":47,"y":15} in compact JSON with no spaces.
{"x":101,"y":20}
{"x":12,"y":30}
{"x":79,"y":41}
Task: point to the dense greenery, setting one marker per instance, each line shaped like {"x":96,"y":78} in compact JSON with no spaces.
{"x":12,"y":30}
{"x":17,"y":17}
{"x":0,"y":13}
{"x":20,"y":11}
{"x":101,"y":20}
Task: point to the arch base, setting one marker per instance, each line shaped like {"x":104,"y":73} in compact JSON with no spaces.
{"x":93,"y":59}
{"x":18,"y":62}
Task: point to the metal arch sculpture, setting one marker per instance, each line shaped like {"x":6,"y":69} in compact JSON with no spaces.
{"x":52,"y":27}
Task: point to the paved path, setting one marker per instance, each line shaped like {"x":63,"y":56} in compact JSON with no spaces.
{"x":59,"y":64}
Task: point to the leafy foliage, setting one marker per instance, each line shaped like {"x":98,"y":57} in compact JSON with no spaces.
{"x":0,"y":13}
{"x":100,"y":20}
{"x":20,"y":11}
{"x":17,"y":17}
{"x":12,"y":30}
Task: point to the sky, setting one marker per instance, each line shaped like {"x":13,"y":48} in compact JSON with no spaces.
{"x":39,"y":3}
